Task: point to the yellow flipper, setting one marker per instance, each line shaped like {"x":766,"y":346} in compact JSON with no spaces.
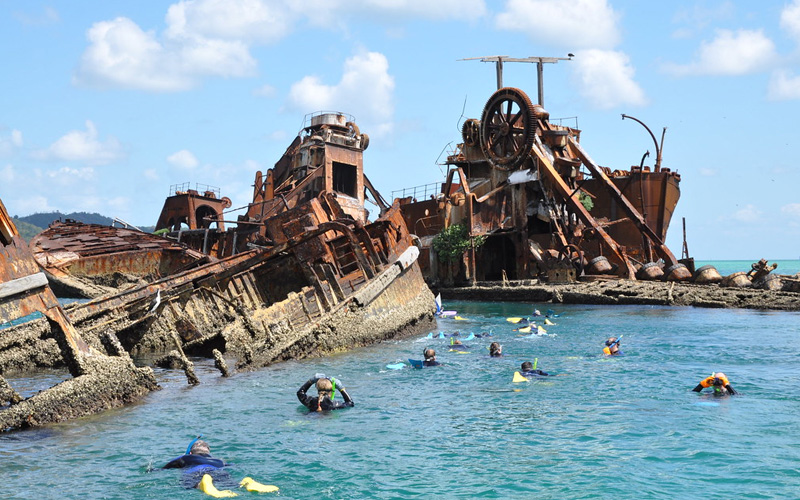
{"x":519,"y":378}
{"x":548,"y":322}
{"x":513,"y":320}
{"x":540,"y":330}
{"x":459,"y":318}
{"x":207,"y":486}
{"x":250,"y":485}
{"x":526,"y":329}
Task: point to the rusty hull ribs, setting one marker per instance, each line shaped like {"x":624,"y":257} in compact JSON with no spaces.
{"x":98,"y":381}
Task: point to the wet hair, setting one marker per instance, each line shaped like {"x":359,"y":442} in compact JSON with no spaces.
{"x":200,"y":448}
{"x":324,"y":385}
{"x":324,"y":388}
{"x":610,"y":341}
{"x":429,"y":353}
{"x":527,"y":366}
{"x":495,"y":349}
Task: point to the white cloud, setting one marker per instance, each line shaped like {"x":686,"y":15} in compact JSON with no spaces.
{"x":251,"y":20}
{"x":150,"y":174}
{"x":30,"y":205}
{"x":121,"y":55}
{"x":8,"y":145}
{"x":82,"y":146}
{"x":183,"y":159}
{"x":792,"y":209}
{"x":265,"y":91}
{"x":7,"y":174}
{"x":708,"y":172}
{"x":605,"y":78}
{"x":783,"y":85}
{"x":575,"y":25}
{"x":790,"y":19}
{"x":440,"y":9}
{"x":68,"y":175}
{"x":366,"y":90}
{"x":748,"y":213}
{"x":729,"y":53}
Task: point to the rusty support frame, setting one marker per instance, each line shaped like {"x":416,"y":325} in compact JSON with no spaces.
{"x":634,"y":214}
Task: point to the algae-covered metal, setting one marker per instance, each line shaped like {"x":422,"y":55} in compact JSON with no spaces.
{"x":97,"y":382}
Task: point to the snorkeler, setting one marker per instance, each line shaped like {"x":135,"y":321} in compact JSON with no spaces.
{"x":612,"y":346}
{"x":326,"y":392}
{"x":201,"y":470}
{"x":495,"y":350}
{"x":430,"y":358}
{"x":527,"y":370}
{"x":719,"y":382}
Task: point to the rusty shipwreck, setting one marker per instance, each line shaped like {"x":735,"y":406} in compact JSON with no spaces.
{"x":525,"y":201}
{"x":302,"y":273}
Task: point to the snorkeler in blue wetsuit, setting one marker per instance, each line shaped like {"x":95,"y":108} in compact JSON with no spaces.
{"x":326,"y":392}
{"x":202,"y":471}
{"x":430,"y":358}
{"x":528,"y":371}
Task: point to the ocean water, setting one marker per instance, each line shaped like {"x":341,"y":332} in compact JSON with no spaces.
{"x":627,"y":427}
{"x":726,"y":267}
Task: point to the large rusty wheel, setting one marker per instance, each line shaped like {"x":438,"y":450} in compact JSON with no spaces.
{"x":508,"y":128}
{"x":471,"y":132}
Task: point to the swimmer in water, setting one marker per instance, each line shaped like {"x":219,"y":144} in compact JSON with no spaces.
{"x":719,"y":382}
{"x":612,"y":346}
{"x":528,"y":371}
{"x":326,"y":391}
{"x":202,"y":471}
{"x":495,"y":350}
{"x":430,"y":358}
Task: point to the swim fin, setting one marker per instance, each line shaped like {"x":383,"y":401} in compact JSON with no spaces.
{"x":519,"y":378}
{"x":250,"y":485}
{"x":548,"y":322}
{"x":207,"y":486}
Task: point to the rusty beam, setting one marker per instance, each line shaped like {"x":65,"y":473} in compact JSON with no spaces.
{"x":564,"y":190}
{"x":634,"y":214}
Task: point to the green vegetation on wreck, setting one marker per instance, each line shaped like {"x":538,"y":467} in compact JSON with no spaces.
{"x":451,"y":243}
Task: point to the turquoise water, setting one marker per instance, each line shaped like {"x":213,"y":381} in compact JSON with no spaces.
{"x":618,"y":428}
{"x":726,"y":267}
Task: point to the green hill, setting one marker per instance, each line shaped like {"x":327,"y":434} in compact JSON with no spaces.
{"x":44,"y":219}
{"x":26,"y":229}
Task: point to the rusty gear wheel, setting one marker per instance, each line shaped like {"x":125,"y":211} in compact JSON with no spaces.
{"x":471,"y":132}
{"x":508,"y":128}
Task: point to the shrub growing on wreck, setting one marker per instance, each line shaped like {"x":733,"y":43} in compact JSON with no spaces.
{"x":451,"y":243}
{"x":586,"y":201}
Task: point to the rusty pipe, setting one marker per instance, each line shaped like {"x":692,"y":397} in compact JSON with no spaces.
{"x":658,"y":148}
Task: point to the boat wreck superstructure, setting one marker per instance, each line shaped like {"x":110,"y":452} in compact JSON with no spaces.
{"x":303,"y":273}
{"x":539,"y":206}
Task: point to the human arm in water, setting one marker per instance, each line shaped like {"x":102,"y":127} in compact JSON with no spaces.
{"x":716,"y":380}
{"x":308,"y":401}
{"x":348,"y":401}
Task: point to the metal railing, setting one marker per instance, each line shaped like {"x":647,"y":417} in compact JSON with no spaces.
{"x":422,"y":192}
{"x":200,"y":188}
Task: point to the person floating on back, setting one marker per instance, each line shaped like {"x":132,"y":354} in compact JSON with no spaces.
{"x":612,"y":346}
{"x":495,"y":350}
{"x":201,"y":470}
{"x":719,"y":382}
{"x":326,"y":392}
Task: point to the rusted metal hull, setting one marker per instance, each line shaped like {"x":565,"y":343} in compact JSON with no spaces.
{"x":535,"y":202}
{"x":87,"y":260}
{"x":97,"y":382}
{"x":303,"y":274}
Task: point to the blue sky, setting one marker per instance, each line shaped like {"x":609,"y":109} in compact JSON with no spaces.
{"x":104,"y":105}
